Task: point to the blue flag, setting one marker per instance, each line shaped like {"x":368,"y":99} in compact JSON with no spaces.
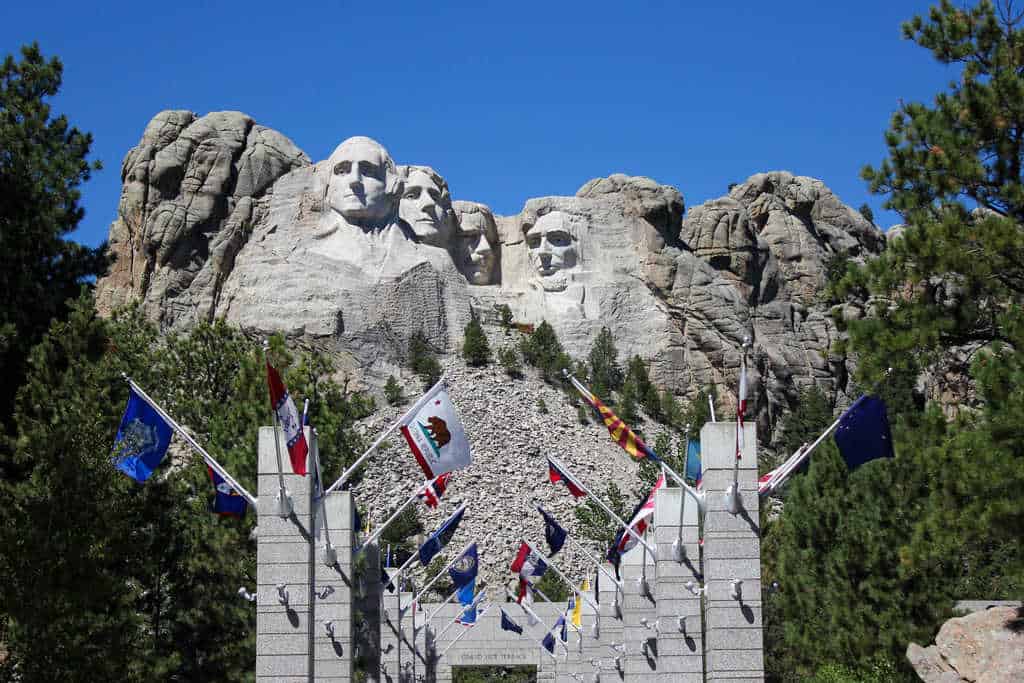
{"x":863,"y":433}
{"x":564,"y":632}
{"x":142,"y":439}
{"x":553,"y":532}
{"x":508,"y":625}
{"x":386,"y":581}
{"x":465,"y":596}
{"x":463,"y":571}
{"x":226,"y":501}
{"x":693,"y":469}
{"x":549,"y":643}
{"x":439,"y":539}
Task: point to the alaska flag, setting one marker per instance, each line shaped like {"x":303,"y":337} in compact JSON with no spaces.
{"x":463,"y":572}
{"x":863,"y":433}
{"x":693,"y":469}
{"x":439,"y":539}
{"x":508,"y":625}
{"x":553,"y":532}
{"x":556,"y":475}
{"x":142,"y":439}
{"x":226,"y":500}
{"x":549,"y":643}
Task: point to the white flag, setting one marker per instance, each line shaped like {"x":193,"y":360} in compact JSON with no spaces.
{"x":435,"y":434}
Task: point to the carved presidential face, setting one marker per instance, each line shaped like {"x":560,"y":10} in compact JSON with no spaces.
{"x":362,"y":182}
{"x":552,"y":247}
{"x":426,"y":206}
{"x":478,"y":237}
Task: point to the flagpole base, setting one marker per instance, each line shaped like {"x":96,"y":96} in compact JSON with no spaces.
{"x":284,"y":504}
{"x":678,"y":550}
{"x":330,"y":555}
{"x":732,"y":499}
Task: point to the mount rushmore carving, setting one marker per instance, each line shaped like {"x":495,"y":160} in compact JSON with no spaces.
{"x":221,"y":217}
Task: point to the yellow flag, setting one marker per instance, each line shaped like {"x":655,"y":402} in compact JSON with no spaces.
{"x":577,"y":609}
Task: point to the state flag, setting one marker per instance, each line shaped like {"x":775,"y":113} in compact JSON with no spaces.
{"x":556,"y":475}
{"x":560,"y":625}
{"x":226,"y":500}
{"x":624,"y":541}
{"x":554,"y":534}
{"x":288,"y":417}
{"x":508,"y":625}
{"x":693,"y":466}
{"x":463,"y":571}
{"x":431,"y":491}
{"x":440,"y":538}
{"x":863,"y":433}
{"x":142,"y":439}
{"x":549,"y":642}
{"x":435,"y":434}
{"x":528,"y":563}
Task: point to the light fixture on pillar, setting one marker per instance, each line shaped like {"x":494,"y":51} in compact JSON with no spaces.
{"x":732,"y":499}
{"x":642,"y":587}
{"x":595,"y":629}
{"x":284,"y":503}
{"x":330,"y":555}
{"x":618,"y":663}
{"x":678,"y":550}
{"x":651,"y":627}
{"x":681,"y":621}
{"x":327,"y":590}
{"x":246,"y":595}
{"x":329,"y":627}
{"x":695,"y":589}
{"x":596,"y":678}
{"x":737,"y":590}
{"x":282,"y":594}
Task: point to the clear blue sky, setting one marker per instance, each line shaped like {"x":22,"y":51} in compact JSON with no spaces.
{"x":507,"y":100}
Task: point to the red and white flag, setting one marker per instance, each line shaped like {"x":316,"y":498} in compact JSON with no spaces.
{"x":435,"y":435}
{"x":431,"y":491}
{"x":741,"y":407}
{"x":288,"y":417}
{"x":638,"y":524}
{"x":527,"y":562}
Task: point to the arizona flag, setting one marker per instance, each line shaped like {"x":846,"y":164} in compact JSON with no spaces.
{"x":432,"y":490}
{"x":435,"y":434}
{"x":226,"y":500}
{"x":288,"y":417}
{"x":619,"y":430}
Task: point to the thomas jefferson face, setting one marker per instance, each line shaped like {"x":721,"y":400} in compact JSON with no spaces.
{"x":551,"y":244}
{"x":479,"y":239}
{"x":422,"y":206}
{"x":359,"y":183}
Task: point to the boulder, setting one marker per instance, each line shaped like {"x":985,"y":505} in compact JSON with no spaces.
{"x":982,"y":647}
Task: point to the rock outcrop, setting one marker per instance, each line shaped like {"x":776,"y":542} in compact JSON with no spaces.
{"x":983,"y":647}
{"x":222,"y":217}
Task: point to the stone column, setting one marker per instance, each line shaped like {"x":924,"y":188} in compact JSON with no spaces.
{"x":284,"y":632}
{"x":640,"y":659}
{"x":680,"y":650}
{"x":732,"y":551}
{"x":334,"y":655}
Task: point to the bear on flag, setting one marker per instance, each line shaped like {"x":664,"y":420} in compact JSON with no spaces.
{"x":435,"y":434}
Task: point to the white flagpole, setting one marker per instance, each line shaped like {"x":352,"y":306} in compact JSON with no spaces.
{"x":380,"y":529}
{"x":476,"y":598}
{"x":330,"y":554}
{"x":561,"y":466}
{"x":387,"y":432}
{"x":214,"y":465}
{"x":441,"y":606}
{"x":538,"y":620}
{"x":562,"y":576}
{"x":597,"y":563}
{"x":438,"y":575}
{"x":284,"y":499}
{"x":798,"y":459}
{"x":459,"y":637}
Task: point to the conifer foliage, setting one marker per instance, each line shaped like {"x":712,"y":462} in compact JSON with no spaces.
{"x":475,"y":348}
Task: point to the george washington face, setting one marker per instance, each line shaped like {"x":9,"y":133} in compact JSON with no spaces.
{"x":361,"y":175}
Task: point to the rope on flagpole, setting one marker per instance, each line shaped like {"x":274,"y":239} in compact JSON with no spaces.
{"x":209,"y":459}
{"x":385,"y":434}
{"x":561,"y":466}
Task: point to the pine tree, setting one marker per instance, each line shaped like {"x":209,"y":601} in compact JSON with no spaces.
{"x":475,"y":348}
{"x":543,"y":351}
{"x":605,"y":373}
{"x":44,"y":161}
{"x":423,"y":359}
{"x":808,"y":419}
{"x":393,"y":391}
{"x":509,"y":359}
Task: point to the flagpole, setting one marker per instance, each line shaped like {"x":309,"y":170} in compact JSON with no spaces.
{"x":440,"y":607}
{"x":587,"y":393}
{"x":682,"y":497}
{"x":380,"y":529}
{"x":476,"y":598}
{"x":423,"y":400}
{"x":600,"y":502}
{"x":798,"y":458}
{"x":330,"y":554}
{"x":562,"y":576}
{"x":438,"y":575}
{"x":214,"y":465}
{"x":461,"y":635}
{"x":540,"y":621}
{"x":600,"y":566}
{"x":284,"y":499}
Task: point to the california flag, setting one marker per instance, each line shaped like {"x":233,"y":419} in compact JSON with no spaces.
{"x":435,"y":434}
